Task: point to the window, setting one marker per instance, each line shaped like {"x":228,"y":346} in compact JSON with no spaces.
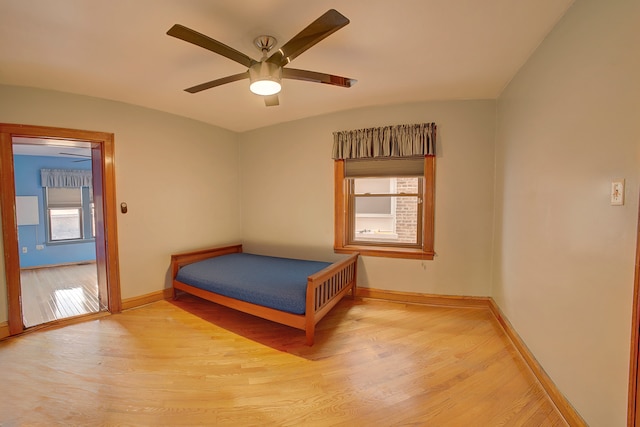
{"x":385,"y":207}
{"x":69,"y":214}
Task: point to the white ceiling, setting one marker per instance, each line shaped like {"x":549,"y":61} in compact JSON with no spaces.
{"x":399,"y":51}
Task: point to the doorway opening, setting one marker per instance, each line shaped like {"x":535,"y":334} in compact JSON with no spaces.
{"x":55,"y":212}
{"x":68,"y":215}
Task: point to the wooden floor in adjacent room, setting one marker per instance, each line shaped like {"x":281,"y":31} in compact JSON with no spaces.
{"x":54,"y":293}
{"x":191,"y":362}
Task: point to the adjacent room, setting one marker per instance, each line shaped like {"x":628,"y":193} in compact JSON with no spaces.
{"x":479,"y":160}
{"x":58,"y":276}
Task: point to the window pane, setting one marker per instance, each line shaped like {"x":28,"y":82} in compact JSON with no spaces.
{"x":407,"y":219}
{"x":407,"y":185}
{"x":399,"y":227}
{"x":373,"y":185}
{"x":65,"y":224}
{"x":373,"y":205}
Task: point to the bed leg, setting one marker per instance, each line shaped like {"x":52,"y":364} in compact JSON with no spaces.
{"x":310,"y":336}
{"x":174,"y":294}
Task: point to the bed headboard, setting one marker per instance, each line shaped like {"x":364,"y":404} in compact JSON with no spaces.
{"x":178,"y":260}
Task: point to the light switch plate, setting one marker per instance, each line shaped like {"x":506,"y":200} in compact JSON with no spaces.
{"x":617,"y":192}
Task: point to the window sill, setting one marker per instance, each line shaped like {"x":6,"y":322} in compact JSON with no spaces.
{"x":380,"y":251}
{"x":68,"y":242}
{"x":377,"y":236}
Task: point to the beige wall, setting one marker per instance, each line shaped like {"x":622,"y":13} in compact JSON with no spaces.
{"x":287,"y":194}
{"x":179,"y":178}
{"x":564,"y":257}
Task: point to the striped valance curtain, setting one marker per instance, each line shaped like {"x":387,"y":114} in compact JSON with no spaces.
{"x":66,"y":178}
{"x":389,"y":141}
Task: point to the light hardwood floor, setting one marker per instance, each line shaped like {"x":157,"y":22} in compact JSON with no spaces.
{"x":54,"y":293}
{"x":191,"y":362}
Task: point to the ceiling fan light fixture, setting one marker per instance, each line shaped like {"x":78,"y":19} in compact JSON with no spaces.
{"x":265,"y":78}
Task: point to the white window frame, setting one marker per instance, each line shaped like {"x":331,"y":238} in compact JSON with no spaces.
{"x":86,"y":221}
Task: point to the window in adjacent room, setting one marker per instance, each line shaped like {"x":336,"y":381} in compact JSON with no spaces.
{"x":384,"y":191}
{"x":69,"y":214}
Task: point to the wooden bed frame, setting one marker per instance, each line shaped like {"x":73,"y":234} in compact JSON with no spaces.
{"x":324,"y":289}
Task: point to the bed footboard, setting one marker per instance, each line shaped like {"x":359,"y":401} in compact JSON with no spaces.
{"x":326,"y":288}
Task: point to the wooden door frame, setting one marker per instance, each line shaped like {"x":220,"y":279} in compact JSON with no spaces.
{"x":103,"y":154}
{"x":633,"y":416}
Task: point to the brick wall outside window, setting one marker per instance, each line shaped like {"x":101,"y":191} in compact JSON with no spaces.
{"x":406,"y":211}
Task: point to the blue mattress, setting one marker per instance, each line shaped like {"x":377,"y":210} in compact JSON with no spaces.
{"x":278,"y":283}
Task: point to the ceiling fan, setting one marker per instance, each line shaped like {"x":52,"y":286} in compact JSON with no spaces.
{"x":265,"y":75}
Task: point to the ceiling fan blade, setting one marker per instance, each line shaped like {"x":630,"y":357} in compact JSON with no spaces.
{"x":271,"y":100}
{"x":318,"y":30}
{"x":74,"y":154}
{"x":217,"y":82}
{"x":313,"y":76}
{"x":187,"y":34}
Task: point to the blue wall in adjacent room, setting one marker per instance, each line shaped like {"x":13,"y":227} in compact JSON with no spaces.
{"x":27,"y":179}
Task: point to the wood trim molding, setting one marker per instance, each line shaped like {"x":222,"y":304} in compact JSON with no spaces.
{"x":4,"y":330}
{"x":566,"y":409}
{"x":109,"y":246}
{"x":106,"y":254}
{"x":428,"y":205}
{"x":417,"y":298}
{"x":339,"y":203}
{"x":141,"y":300}
{"x":10,"y":233}
{"x":634,"y":360}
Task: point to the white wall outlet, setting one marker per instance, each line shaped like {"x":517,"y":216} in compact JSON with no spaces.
{"x":617,"y":192}
{"x":24,"y":249}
